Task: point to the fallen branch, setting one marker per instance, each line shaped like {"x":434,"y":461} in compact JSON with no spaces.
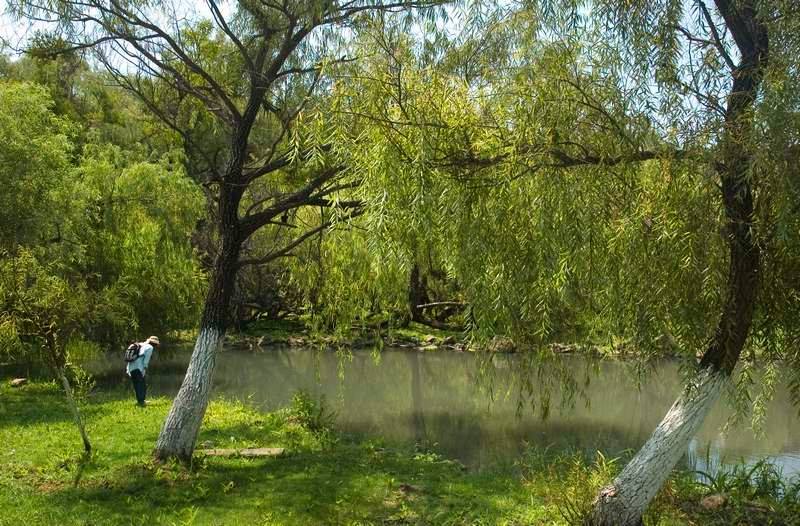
{"x":442,"y":304}
{"x":246,"y":452}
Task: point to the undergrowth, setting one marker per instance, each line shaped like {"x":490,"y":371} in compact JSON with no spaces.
{"x":740,"y":494}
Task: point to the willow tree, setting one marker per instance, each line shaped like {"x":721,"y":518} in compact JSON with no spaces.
{"x":244,"y":75}
{"x":619,"y":170}
{"x":740,"y":38}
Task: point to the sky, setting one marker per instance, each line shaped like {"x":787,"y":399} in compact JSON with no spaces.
{"x":15,"y":33}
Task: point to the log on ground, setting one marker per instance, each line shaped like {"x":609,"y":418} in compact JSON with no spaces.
{"x":246,"y":452}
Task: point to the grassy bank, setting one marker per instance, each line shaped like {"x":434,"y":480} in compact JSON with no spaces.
{"x":323,"y":478}
{"x":298,"y":332}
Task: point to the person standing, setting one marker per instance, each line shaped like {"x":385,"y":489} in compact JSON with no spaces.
{"x":137,"y":368}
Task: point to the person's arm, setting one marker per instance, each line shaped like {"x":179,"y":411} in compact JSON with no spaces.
{"x":146,"y":358}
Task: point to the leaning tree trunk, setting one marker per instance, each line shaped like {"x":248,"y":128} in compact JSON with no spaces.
{"x":624,"y":502}
{"x":57,"y":361}
{"x":76,"y":414}
{"x":179,"y":432}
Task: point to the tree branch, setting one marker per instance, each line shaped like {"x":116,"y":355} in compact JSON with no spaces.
{"x":715,"y":35}
{"x":442,"y":304}
{"x":561,"y":159}
{"x":286,"y":250}
{"x":250,"y":223}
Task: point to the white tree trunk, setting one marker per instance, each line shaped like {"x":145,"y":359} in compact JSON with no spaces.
{"x":179,"y":433}
{"x":624,"y":502}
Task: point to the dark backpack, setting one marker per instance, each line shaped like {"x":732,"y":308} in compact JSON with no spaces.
{"x":132,"y":352}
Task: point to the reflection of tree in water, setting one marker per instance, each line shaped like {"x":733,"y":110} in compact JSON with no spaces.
{"x":417,"y":404}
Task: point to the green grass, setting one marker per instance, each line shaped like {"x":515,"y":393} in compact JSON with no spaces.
{"x":323,"y":479}
{"x":281,"y":331}
{"x":276,"y":329}
{"x":754,"y":494}
{"x":417,"y":331}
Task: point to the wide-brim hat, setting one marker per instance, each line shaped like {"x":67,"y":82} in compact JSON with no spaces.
{"x":153,"y":340}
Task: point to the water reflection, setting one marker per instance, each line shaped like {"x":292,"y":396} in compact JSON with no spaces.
{"x":439,"y":398}
{"x":712,"y":457}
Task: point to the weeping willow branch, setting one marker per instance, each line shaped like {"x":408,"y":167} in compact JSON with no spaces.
{"x":553,"y":157}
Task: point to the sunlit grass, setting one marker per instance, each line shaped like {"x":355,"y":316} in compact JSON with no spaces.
{"x":323,"y":478}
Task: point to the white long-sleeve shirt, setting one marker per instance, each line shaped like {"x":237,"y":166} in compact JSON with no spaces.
{"x":141,"y":363}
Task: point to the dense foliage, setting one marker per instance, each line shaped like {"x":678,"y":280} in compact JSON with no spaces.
{"x":551,"y":178}
{"x":565,"y":167}
{"x":94,"y":233}
{"x":617,"y":173}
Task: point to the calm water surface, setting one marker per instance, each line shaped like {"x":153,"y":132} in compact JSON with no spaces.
{"x":440,"y":398}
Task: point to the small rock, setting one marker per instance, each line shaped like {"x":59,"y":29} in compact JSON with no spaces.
{"x":501,"y":344}
{"x":429,"y":338}
{"x":408,"y":488}
{"x":560,"y":348}
{"x":19,"y":382}
{"x":608,"y":492}
{"x":713,"y":502}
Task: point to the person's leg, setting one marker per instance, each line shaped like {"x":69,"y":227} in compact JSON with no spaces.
{"x":134,"y":383}
{"x":138,"y":385}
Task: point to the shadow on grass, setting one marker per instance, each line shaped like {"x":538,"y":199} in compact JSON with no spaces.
{"x":45,"y":402}
{"x":339,"y":486}
{"x":17,"y":409}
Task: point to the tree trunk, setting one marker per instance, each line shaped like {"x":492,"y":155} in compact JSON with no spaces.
{"x":73,"y":407}
{"x":417,"y":293}
{"x":179,"y":432}
{"x":624,"y":502}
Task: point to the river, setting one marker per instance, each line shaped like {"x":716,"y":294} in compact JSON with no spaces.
{"x":442,"y":400}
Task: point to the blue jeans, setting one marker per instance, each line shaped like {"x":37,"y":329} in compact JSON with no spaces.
{"x":139,"y":385}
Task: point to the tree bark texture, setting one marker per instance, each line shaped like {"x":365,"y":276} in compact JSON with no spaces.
{"x":624,"y":502}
